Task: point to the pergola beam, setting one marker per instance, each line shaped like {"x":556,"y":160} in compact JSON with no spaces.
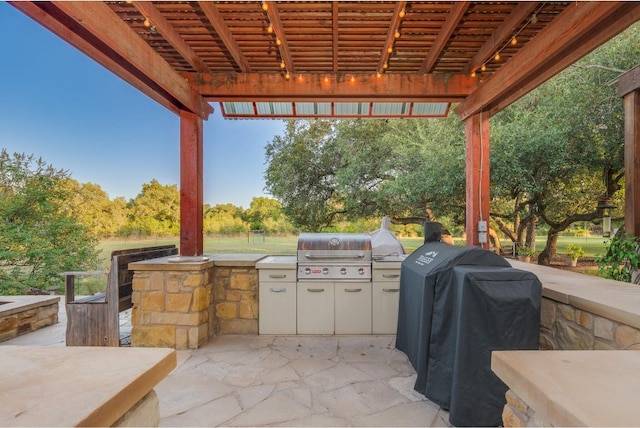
{"x":570,"y":36}
{"x":148,"y":10}
{"x":390,"y":39}
{"x":496,"y":41}
{"x":389,"y":87}
{"x":457,"y":12}
{"x":214,"y":16}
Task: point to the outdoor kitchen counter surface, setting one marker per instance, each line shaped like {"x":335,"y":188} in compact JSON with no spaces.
{"x":72,"y":386}
{"x":277,"y":262}
{"x":574,"y":388}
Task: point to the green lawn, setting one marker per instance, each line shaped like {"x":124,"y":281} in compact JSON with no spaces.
{"x":283,"y":245}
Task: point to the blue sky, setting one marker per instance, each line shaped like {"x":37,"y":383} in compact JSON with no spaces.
{"x":58,"y":104}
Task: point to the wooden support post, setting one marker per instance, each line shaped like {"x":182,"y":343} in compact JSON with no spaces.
{"x":191,"y":184}
{"x":629,"y":88}
{"x":477,"y":172}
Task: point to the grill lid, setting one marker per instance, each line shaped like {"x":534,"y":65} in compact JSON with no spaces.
{"x":322,"y":242}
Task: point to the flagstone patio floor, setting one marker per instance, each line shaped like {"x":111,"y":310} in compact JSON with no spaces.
{"x":284,"y":381}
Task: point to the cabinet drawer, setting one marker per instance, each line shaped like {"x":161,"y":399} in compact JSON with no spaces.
{"x":277,"y":308}
{"x":277,"y":275}
{"x":386,"y":275}
{"x":315,"y":307}
{"x":353,"y":308}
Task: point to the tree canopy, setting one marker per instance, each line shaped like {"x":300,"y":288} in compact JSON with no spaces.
{"x":39,"y":237}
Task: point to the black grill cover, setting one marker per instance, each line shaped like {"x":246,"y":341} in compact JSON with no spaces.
{"x":457,"y":304}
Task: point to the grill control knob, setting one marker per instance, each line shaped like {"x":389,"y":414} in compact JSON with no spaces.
{"x":361,"y":271}
{"x":325,"y":271}
{"x":343,"y":271}
{"x":307,"y":271}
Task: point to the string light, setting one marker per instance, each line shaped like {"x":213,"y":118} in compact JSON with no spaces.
{"x":326,"y":79}
{"x":513,"y":41}
{"x":282,"y":65}
{"x":378,"y":75}
{"x":353,"y":78}
{"x":270,"y":29}
{"x":147,"y":22}
{"x":278,"y":41}
{"x":397,"y":34}
{"x":287,"y":75}
{"x":265,"y":6}
{"x":402,"y":13}
{"x":390,"y":49}
{"x":385,"y":65}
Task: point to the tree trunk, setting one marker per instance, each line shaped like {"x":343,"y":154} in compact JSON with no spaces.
{"x":550,"y":248}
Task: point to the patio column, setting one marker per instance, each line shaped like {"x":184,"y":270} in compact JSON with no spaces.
{"x":191,"y":185}
{"x":629,"y":88}
{"x":477,"y":172}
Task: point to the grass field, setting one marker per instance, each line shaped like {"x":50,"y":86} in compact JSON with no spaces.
{"x":283,"y":245}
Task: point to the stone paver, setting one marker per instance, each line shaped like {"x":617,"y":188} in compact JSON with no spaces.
{"x":284,"y":381}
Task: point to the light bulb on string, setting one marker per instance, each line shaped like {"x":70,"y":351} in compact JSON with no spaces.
{"x":278,"y":41}
{"x":265,"y":6}
{"x":473,"y":74}
{"x":497,"y":56}
{"x":397,"y":34}
{"x":287,"y":75}
{"x":402,"y":13}
{"x":378,"y":75}
{"x":147,"y":22}
{"x":483,"y":68}
{"x":282,"y":65}
{"x":390,"y":49}
{"x":270,"y":29}
{"x":385,"y":65}
{"x":353,"y":78}
{"x":514,"y":41}
{"x":326,"y":79}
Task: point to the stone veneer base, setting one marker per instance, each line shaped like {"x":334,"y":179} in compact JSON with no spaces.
{"x":24,"y":314}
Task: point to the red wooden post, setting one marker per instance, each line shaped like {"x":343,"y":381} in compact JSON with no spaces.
{"x":477,"y":172}
{"x":629,"y":88}
{"x":191,"y":184}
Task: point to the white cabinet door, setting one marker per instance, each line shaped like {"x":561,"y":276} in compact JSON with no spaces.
{"x":277,"y":308}
{"x":315,"y":307}
{"x":353,"y":307}
{"x":385,"y":307}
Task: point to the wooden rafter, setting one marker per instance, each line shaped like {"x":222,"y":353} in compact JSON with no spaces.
{"x":148,"y":10}
{"x":453,"y":20}
{"x":214,"y":16}
{"x":274,"y":19}
{"x":569,"y":37}
{"x":390,"y":39}
{"x":497,"y":40}
{"x":335,"y":40}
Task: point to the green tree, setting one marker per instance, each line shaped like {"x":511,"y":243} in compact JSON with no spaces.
{"x":224,"y":219}
{"x":91,"y":206}
{"x":39,"y":238}
{"x":156,"y":210}
{"x":301,"y":170}
{"x":559,"y":150}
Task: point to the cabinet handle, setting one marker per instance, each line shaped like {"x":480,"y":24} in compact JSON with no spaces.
{"x":278,"y":290}
{"x":390,"y":275}
{"x":391,"y":290}
{"x":271,"y":275}
{"x":315,"y":290}
{"x":353,"y":290}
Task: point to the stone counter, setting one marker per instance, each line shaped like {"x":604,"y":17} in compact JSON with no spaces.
{"x":24,"y":314}
{"x":181,"y":302}
{"x":81,"y":386}
{"x":570,"y":388}
{"x":586,"y":312}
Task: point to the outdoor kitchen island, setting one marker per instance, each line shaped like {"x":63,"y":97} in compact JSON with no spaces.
{"x":333,"y":286}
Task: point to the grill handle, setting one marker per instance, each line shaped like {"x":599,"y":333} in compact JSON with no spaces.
{"x":336,"y":257}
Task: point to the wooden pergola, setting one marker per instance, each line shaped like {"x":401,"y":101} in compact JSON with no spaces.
{"x":340,"y":59}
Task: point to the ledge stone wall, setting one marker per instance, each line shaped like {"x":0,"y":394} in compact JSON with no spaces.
{"x":24,"y":314}
{"x":235,"y":300}
{"x":564,"y":327}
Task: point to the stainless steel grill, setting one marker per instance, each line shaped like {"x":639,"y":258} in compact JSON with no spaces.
{"x":334,"y":256}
